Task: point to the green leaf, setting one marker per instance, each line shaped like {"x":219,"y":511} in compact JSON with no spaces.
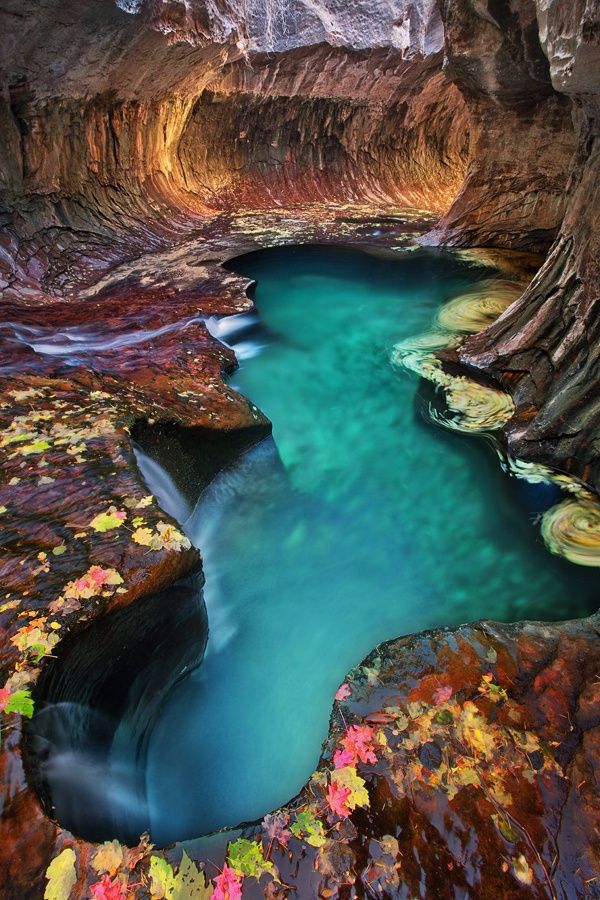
{"x":21,"y":702}
{"x":308,"y":828}
{"x":106,"y":521}
{"x":61,"y":876}
{"x":443,"y":717}
{"x":35,"y":447}
{"x":36,"y":641}
{"x":161,"y":877}
{"x":247,"y":858}
{"x":506,"y":829}
{"x":189,"y":883}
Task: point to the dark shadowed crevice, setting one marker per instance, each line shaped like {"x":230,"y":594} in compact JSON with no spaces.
{"x":193,"y":456}
{"x":90,"y":712}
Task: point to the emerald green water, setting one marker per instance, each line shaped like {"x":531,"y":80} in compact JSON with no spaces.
{"x":359,"y":522}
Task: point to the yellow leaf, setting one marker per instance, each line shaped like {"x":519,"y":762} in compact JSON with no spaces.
{"x":61,"y":876}
{"x":189,"y":883}
{"x":142,"y":536}
{"x":475,"y":731}
{"x":161,"y":878}
{"x":35,"y":447}
{"x":465,"y":775}
{"x":525,"y":740}
{"x":108,"y":858}
{"x":347,"y":777}
{"x":108,"y":520}
{"x":522,"y":870}
{"x":500,"y":795}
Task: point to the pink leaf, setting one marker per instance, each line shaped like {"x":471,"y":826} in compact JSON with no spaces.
{"x":337,"y":797}
{"x":228,"y":885}
{"x":342,"y":758}
{"x":359,"y":742}
{"x":342,"y":692}
{"x":276,"y":829}
{"x":442,"y":694}
{"x":107,"y":889}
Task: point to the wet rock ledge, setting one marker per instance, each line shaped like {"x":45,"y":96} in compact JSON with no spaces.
{"x":460,"y":762}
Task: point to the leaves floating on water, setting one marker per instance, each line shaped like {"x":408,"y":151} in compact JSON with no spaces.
{"x":349,"y":778}
{"x":228,"y":885}
{"x":308,"y":828}
{"x":536,"y":473}
{"x":474,"y":407}
{"x":276,"y":828}
{"x":572,"y":529}
{"x":187,"y":884}
{"x":475,"y":310}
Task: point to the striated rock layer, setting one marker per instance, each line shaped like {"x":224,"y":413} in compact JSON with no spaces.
{"x":169,"y":111}
{"x":546,"y":346}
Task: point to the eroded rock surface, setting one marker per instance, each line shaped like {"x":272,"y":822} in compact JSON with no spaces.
{"x":474,"y":774}
{"x":545,"y":347}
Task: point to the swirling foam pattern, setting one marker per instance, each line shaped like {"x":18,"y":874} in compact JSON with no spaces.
{"x":572,"y":529}
{"x":475,"y":310}
{"x":536,"y":473}
{"x":471,"y":407}
{"x":417,"y":354}
{"x":474,"y":407}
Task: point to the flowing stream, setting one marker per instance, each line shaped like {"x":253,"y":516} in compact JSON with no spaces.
{"x":357,"y":522}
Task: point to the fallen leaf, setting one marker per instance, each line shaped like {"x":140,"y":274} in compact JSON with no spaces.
{"x":61,"y":876}
{"x":109,"y":520}
{"x":109,"y":858}
{"x":247,"y":858}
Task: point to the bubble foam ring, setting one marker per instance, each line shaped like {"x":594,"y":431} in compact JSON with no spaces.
{"x":536,"y":473}
{"x":417,"y":355}
{"x":475,"y":310}
{"x":572,"y":529}
{"x":476,"y":407}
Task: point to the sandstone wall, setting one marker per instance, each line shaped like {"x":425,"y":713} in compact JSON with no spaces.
{"x":546,"y":346}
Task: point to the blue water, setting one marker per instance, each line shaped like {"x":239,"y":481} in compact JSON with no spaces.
{"x":358,"y":522}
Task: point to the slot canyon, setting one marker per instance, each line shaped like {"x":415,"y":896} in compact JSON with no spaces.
{"x":300,"y":472}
